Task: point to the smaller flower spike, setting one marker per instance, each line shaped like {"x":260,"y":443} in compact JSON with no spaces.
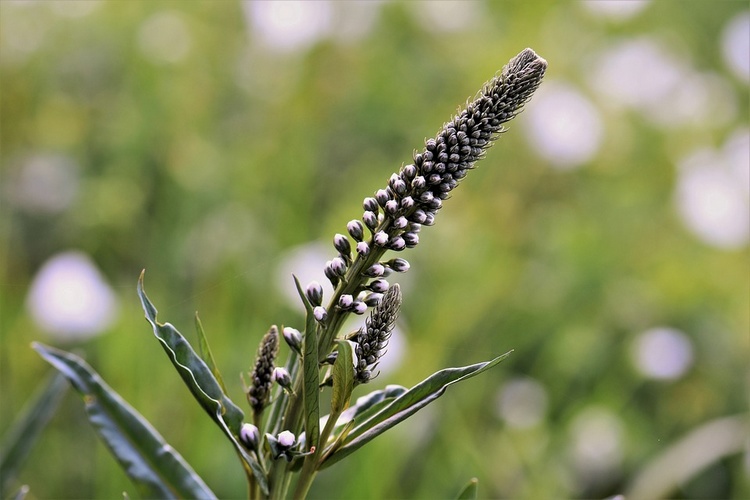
{"x":260,"y":388}
{"x":372,"y":339}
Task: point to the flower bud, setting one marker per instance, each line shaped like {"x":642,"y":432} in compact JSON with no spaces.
{"x":346,"y":301}
{"x":338,"y":266}
{"x":355,"y":230}
{"x":391,"y":207}
{"x":418,"y":183}
{"x":375,"y":270}
{"x":398,"y":265}
{"x":400,"y":222}
{"x":293,"y":339}
{"x":320,"y":313}
{"x":286,"y":439}
{"x":419,"y":216}
{"x":407,"y":202}
{"x":411,"y":239}
{"x":381,"y":238}
{"x":249,"y":436}
{"x":379,"y":285}
{"x":409,"y":171}
{"x":370,"y":205}
{"x":382,"y":196}
{"x":370,"y":219}
{"x":363,"y":248}
{"x":314,"y":293}
{"x":397,"y":243}
{"x":359,"y":307}
{"x":281,"y":376}
{"x":373,"y":299}
{"x":341,"y":243}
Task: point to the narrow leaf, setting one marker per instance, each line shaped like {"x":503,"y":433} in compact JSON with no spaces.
{"x":405,"y":406}
{"x":470,"y":490}
{"x":202,"y":384}
{"x":343,"y":377}
{"x":155,"y":467}
{"x":20,"y":439}
{"x":205,"y":351}
{"x":310,"y":373}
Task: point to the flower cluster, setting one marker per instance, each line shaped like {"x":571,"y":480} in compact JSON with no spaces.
{"x":395,"y":214}
{"x":372,"y":339}
{"x":261,"y":378}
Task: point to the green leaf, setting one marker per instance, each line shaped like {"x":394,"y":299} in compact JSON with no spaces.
{"x":21,"y":438}
{"x":370,"y":426}
{"x":155,"y":467}
{"x":310,"y":373}
{"x":203,"y":385}
{"x":469,"y":492}
{"x":343,"y":377}
{"x":205,"y":351}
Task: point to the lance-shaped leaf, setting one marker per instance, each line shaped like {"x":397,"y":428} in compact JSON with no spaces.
{"x":343,"y":377}
{"x":469,"y":492}
{"x":405,"y":406}
{"x":155,"y":468}
{"x":205,"y":351}
{"x":22,"y":436}
{"x":199,"y":378}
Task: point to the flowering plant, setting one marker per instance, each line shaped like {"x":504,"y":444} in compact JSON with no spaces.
{"x":287,"y":439}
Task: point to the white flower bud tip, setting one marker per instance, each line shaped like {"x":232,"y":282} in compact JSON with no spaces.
{"x":286,"y":439}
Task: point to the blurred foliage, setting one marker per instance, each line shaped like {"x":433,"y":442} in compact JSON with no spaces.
{"x":207,"y":168}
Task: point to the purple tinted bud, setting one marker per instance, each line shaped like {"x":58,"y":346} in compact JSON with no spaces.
{"x":399,"y":265}
{"x":418,"y":183}
{"x":370,"y":204}
{"x":281,"y":376}
{"x":346,"y":301}
{"x":391,"y":206}
{"x":375,"y":270}
{"x":363,"y":248}
{"x":414,"y":227}
{"x":314,"y":293}
{"x":293,"y":339}
{"x":382,"y":196}
{"x":341,"y":243}
{"x":330,"y":274}
{"x":320,"y":313}
{"x":429,"y":219}
{"x":338,"y":265}
{"x":407,"y":202}
{"x":397,"y":243}
{"x":286,"y":439}
{"x":426,"y":197}
{"x":370,"y":219}
{"x":373,"y":299}
{"x":411,"y":239}
{"x":378,"y":285}
{"x":399,"y":186}
{"x":381,"y":238}
{"x":249,"y":436}
{"x":400,"y":222}
{"x":355,"y":230}
{"x":393,"y":178}
{"x":419,"y":216}
{"x":435,"y":204}
{"x":359,"y":307}
{"x":409,"y":171}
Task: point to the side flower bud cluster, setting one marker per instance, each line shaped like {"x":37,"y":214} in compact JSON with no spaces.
{"x":371,"y":340}
{"x":261,"y":378}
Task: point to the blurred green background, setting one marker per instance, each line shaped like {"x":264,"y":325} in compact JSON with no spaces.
{"x":220,"y":145}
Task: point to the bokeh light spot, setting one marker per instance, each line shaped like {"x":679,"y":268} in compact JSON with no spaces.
{"x":735,"y":45}
{"x":662,"y":353}
{"x":563,"y":125}
{"x":289,"y":26}
{"x":522,"y":403}
{"x":69,"y":298}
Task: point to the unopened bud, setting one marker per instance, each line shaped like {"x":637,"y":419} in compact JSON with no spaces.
{"x":314,"y":293}
{"x":286,"y":439}
{"x":320,"y":313}
{"x":355,"y":230}
{"x":249,"y":436}
{"x":281,"y":376}
{"x":293,"y":338}
{"x":341,"y":243}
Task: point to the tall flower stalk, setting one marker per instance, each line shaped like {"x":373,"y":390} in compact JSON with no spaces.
{"x":394,"y":216}
{"x":287,"y":437}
